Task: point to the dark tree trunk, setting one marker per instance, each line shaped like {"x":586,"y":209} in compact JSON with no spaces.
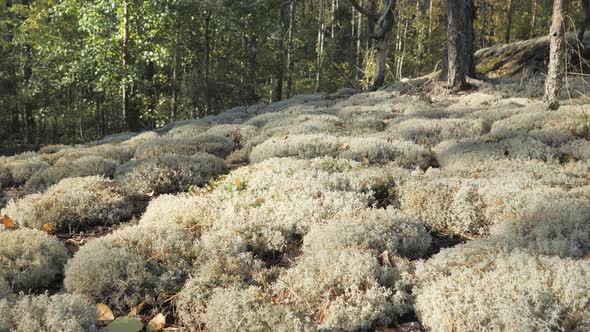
{"x":556,"y":57}
{"x":129,"y":112}
{"x":508,"y":21}
{"x":457,"y":67}
{"x":291,"y":47}
{"x":469,"y":35}
{"x":584,"y":20}
{"x":207,"y":55}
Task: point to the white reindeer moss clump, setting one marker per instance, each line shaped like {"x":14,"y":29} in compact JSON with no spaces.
{"x":169,"y":173}
{"x":62,"y":312}
{"x":15,"y":172}
{"x":30,"y":259}
{"x":376,"y":229}
{"x":475,"y":287}
{"x":351,"y":291}
{"x":212,"y":144}
{"x":362,"y":149}
{"x":73,"y":203}
{"x":132,"y":265}
{"x":90,"y":165}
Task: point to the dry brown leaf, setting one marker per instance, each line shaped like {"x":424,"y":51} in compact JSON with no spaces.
{"x":157,"y":323}
{"x":104,"y":313}
{"x":365,"y":161}
{"x":344,"y":146}
{"x":8,"y":222}
{"x":239,"y":185}
{"x":48,"y":228}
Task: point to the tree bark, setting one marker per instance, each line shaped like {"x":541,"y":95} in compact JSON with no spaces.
{"x":508,"y":21}
{"x":130,"y":113}
{"x":320,"y":47}
{"x":456,"y":65}
{"x":534,"y":17}
{"x":291,"y":47}
{"x":584,"y":21}
{"x":469,"y":35}
{"x":556,"y":57}
{"x":384,"y":26}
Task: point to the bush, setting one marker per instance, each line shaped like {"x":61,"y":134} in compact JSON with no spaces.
{"x":81,"y":167}
{"x":132,"y":265}
{"x":215,"y":145}
{"x":73,"y":203}
{"x":62,"y":312}
{"x":381,"y":230}
{"x":476,"y":287}
{"x":31,"y":259}
{"x":170,"y":173}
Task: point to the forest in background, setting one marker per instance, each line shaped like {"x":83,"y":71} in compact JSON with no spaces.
{"x":74,"y":71}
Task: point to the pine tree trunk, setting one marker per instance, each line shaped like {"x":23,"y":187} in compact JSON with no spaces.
{"x":291,"y":48}
{"x":556,"y":57}
{"x":534,"y":17}
{"x":130,"y":113}
{"x":508,"y":21}
{"x":384,"y":27}
{"x":584,"y":20}
{"x":456,"y":66}
{"x":469,"y":35}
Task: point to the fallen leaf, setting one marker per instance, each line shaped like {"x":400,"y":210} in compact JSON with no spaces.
{"x":8,"y":222}
{"x":239,"y":185}
{"x":344,"y":146}
{"x":105,"y":314}
{"x":124,"y":324}
{"x":48,"y":228}
{"x":157,"y":323}
{"x":365,"y":161}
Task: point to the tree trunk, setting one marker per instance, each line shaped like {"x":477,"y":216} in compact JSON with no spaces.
{"x":469,"y":35}
{"x":130,"y":113}
{"x":534,"y":17}
{"x":207,"y":55}
{"x":556,"y":57}
{"x":320,"y":47}
{"x":508,"y":21}
{"x":456,"y":67}
{"x":484,"y":24}
{"x":584,"y":21}
{"x":291,"y":47}
{"x":384,"y":26}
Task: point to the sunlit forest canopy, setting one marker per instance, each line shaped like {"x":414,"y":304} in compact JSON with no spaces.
{"x":73,"y":71}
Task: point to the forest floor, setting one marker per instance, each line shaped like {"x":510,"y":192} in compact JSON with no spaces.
{"x":405,"y":209}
